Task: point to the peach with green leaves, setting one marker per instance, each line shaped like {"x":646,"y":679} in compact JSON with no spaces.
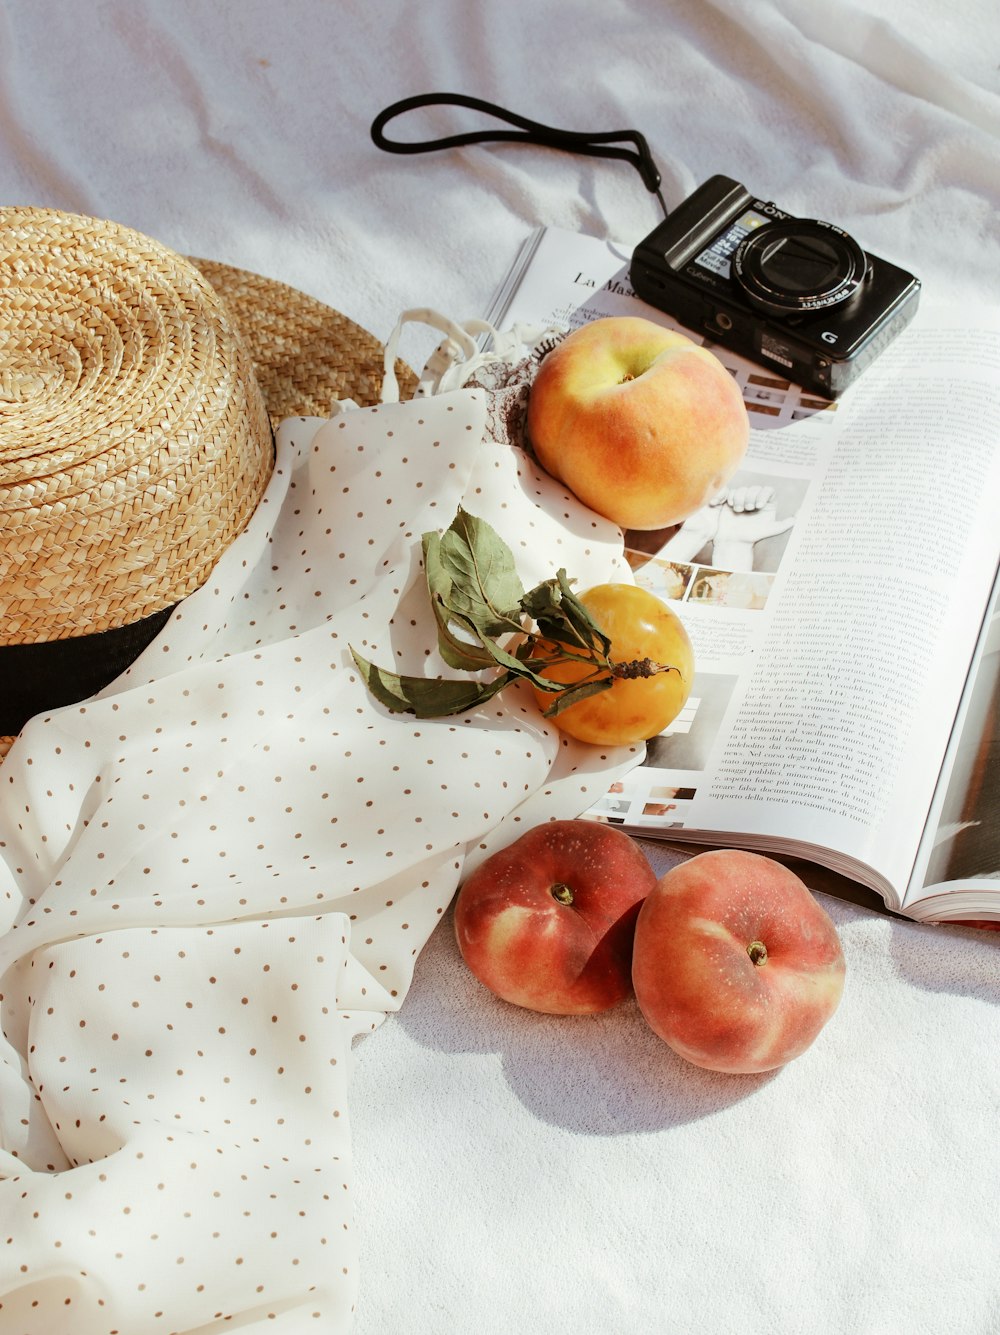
{"x":490,"y":627}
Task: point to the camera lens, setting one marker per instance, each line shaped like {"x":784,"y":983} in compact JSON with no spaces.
{"x":796,"y":265}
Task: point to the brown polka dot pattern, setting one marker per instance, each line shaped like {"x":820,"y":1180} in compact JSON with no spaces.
{"x":219,"y":872}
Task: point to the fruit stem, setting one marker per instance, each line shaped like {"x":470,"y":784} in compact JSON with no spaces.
{"x":561,"y":892}
{"x":757,"y":952}
{"x":641,"y":667}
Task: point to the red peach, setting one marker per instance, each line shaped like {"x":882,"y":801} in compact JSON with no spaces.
{"x":735,"y":964}
{"x":547,"y":922}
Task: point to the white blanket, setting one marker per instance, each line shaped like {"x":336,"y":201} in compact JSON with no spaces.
{"x":506,"y":1171}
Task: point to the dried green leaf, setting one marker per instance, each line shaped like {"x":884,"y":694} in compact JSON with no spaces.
{"x":426,"y":697}
{"x":574,"y":694}
{"x":543,"y":604}
{"x":457,"y":651}
{"x":482,"y":580}
{"x":521,"y":664}
{"x":580,"y":618}
{"x":477,"y":597}
{"x":560,"y":615}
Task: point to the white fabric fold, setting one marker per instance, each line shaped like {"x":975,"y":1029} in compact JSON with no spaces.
{"x":221,"y":870}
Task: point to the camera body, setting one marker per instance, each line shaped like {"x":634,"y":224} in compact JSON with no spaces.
{"x":797,"y":295}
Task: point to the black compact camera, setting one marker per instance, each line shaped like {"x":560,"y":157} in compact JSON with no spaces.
{"x":795,"y":294}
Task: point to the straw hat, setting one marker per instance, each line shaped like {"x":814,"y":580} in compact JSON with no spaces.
{"x":137,"y":394}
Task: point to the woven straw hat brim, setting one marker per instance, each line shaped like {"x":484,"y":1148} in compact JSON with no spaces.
{"x":305,"y":354}
{"x":138,"y":390}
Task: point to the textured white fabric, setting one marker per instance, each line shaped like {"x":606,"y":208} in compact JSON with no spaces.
{"x":510,"y":1172}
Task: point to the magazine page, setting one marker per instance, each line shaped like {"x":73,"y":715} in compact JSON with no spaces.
{"x":834,"y":593}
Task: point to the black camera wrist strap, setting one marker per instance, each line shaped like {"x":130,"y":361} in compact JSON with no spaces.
{"x":601,"y":145}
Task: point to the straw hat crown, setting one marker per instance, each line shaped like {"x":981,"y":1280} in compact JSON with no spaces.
{"x":138,"y":391}
{"x":134,"y":438}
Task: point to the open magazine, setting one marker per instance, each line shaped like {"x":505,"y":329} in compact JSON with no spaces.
{"x":843,"y":600}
